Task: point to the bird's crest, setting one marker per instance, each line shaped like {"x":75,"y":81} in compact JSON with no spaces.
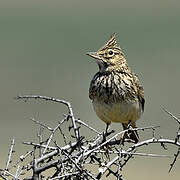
{"x":111,"y":43}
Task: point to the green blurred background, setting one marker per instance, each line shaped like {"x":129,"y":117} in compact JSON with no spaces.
{"x":42,"y":51}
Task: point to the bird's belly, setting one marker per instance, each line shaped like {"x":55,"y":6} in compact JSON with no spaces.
{"x":122,"y":112}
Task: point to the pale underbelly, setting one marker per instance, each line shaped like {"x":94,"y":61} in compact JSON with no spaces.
{"x":124,"y":112}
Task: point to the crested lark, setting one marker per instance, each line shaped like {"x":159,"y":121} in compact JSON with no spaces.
{"x":115,"y":91}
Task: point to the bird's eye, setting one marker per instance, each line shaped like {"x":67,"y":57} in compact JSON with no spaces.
{"x":111,"y":52}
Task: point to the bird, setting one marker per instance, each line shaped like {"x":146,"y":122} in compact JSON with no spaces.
{"x":116,"y":92}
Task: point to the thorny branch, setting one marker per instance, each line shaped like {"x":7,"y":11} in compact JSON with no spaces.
{"x":68,"y":156}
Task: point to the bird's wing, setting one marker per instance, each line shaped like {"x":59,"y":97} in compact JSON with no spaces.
{"x":140,"y":91}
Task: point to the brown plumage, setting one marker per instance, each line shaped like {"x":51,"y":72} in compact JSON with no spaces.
{"x":116,"y":93}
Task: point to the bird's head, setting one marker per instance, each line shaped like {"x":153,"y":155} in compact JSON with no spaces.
{"x":110,"y":56}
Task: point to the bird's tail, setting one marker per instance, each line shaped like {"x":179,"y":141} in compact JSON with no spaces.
{"x":130,"y":135}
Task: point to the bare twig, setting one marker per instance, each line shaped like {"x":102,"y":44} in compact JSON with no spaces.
{"x":50,"y":138}
{"x":41,"y":124}
{"x":174,"y":117}
{"x":10,"y":154}
{"x":86,"y":125}
{"x":152,"y":141}
{"x":175,"y":159}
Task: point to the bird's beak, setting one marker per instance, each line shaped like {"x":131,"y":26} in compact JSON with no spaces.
{"x":94,"y":55}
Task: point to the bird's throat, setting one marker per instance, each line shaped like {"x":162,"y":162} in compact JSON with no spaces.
{"x":102,"y":66}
